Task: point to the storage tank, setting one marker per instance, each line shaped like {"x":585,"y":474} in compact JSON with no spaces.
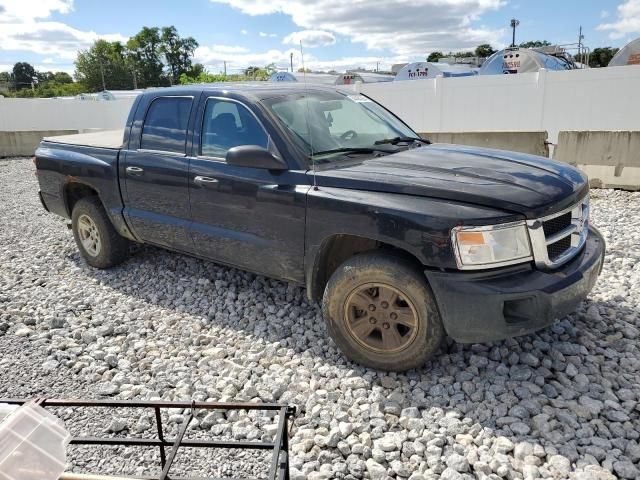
{"x":316,"y":78}
{"x":627,"y":55}
{"x":350,"y":78}
{"x":522,"y":60}
{"x":424,"y":70}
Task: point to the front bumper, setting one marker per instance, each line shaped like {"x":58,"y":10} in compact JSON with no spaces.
{"x":488,"y":306}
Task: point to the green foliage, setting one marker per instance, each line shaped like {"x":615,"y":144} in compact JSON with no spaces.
{"x":484,"y":51}
{"x":434,"y":56}
{"x":52,"y":89}
{"x":178,"y":53}
{"x":535,"y":44}
{"x":144,"y":51}
{"x":23,"y":75}
{"x":104,"y":60}
{"x":601,"y":56}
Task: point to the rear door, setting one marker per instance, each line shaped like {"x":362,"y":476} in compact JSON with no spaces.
{"x":156,"y":169}
{"x":243,"y":216}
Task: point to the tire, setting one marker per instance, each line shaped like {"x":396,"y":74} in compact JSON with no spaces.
{"x":97,"y":239}
{"x":371,"y":278}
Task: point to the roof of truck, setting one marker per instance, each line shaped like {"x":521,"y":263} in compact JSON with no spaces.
{"x":257,"y":90}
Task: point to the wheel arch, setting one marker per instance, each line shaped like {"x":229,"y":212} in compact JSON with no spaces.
{"x":337,"y":248}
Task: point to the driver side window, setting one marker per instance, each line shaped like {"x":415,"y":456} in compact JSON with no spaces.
{"x":228,"y":124}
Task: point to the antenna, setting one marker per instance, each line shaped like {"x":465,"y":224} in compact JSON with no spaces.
{"x":304,"y":76}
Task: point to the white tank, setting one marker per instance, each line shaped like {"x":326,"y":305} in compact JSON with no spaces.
{"x":315,"y":78}
{"x":350,"y":78}
{"x":627,"y":55}
{"x":424,"y":70}
{"x":522,"y":60}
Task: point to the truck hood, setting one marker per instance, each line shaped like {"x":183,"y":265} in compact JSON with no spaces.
{"x":515,"y":182}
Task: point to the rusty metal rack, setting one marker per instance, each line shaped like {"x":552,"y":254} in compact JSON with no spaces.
{"x":278,"y":468}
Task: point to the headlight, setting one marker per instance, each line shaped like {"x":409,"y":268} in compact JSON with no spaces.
{"x":491,"y":246}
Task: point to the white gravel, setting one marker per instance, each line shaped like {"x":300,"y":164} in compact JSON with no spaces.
{"x":562,"y":403}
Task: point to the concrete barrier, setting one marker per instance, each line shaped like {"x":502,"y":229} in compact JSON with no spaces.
{"x":13,"y":144}
{"x":611,"y":159}
{"x":534,"y":143}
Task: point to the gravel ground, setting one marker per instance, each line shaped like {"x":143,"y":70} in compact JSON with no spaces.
{"x":562,"y":403}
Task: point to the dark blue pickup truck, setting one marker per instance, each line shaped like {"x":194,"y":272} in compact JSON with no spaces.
{"x":403,"y":241}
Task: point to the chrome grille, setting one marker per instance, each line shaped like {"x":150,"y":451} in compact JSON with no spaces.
{"x":557,"y":238}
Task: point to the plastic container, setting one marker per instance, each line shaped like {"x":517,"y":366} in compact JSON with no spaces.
{"x":33,"y":445}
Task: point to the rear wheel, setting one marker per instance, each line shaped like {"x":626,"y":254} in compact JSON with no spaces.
{"x":381,"y":313}
{"x":97,"y":239}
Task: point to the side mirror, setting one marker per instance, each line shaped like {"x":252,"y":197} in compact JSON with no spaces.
{"x":254,"y":156}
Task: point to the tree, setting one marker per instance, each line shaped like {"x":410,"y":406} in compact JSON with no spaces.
{"x":535,"y":44}
{"x":601,"y":56}
{"x":484,"y":51}
{"x":178,"y":52}
{"x":62,"y":77}
{"x":464,"y":54}
{"x":23,"y":75}
{"x":434,"y":56}
{"x":144,"y":51}
{"x":5,"y":77}
{"x":104,"y":61}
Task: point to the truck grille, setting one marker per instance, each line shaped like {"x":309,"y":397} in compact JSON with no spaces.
{"x":558,"y":238}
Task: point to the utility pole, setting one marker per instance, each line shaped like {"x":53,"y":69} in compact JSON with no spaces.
{"x":580,"y":38}
{"x":135,"y":80}
{"x":225,"y":68}
{"x":104,"y":87}
{"x":377,"y":66}
{"x":514,"y":23}
{"x":291,"y":60}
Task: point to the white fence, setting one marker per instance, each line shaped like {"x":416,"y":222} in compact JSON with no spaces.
{"x":591,"y":99}
{"x":43,"y":114}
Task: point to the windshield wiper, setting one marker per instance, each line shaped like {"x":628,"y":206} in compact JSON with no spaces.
{"x":351,"y":150}
{"x":396,"y":140}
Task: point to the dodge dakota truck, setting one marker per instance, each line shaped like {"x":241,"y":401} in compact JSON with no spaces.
{"x":402,"y":241}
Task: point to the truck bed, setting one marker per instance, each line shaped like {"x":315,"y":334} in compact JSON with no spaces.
{"x":102,"y":139}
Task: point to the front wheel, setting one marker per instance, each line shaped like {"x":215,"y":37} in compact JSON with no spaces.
{"x":381,"y":312}
{"x":97,"y":239}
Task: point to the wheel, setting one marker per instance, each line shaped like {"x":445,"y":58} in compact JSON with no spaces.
{"x":98,"y":241}
{"x":381,"y":312}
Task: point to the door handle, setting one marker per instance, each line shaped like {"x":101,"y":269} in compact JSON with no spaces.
{"x":205,"y":180}
{"x":135,"y":171}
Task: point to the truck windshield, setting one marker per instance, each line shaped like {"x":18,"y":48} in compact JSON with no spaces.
{"x":329,"y":125}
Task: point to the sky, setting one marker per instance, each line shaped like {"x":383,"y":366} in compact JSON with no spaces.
{"x":335,"y":34}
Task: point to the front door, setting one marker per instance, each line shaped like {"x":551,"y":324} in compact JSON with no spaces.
{"x":156,"y":173}
{"x":247,"y":217}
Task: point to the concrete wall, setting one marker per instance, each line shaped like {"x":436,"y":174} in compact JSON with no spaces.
{"x":590,"y":99}
{"x":27,"y":114}
{"x":610,"y":159}
{"x":534,"y":143}
{"x":24,"y":144}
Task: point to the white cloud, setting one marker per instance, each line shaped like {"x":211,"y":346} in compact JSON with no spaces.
{"x":25,"y":10}
{"x":604,"y":14}
{"x":310,"y":38}
{"x":270,"y":35}
{"x":243,"y":31}
{"x":239,"y":58}
{"x":23,"y":29}
{"x":405,"y":27}
{"x":628,"y":21}
{"x":50,"y":38}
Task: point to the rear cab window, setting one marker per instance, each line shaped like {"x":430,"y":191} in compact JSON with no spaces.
{"x":165,"y":125}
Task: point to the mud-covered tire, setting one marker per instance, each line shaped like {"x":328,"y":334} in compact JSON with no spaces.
{"x":97,"y":239}
{"x":392,"y":273}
